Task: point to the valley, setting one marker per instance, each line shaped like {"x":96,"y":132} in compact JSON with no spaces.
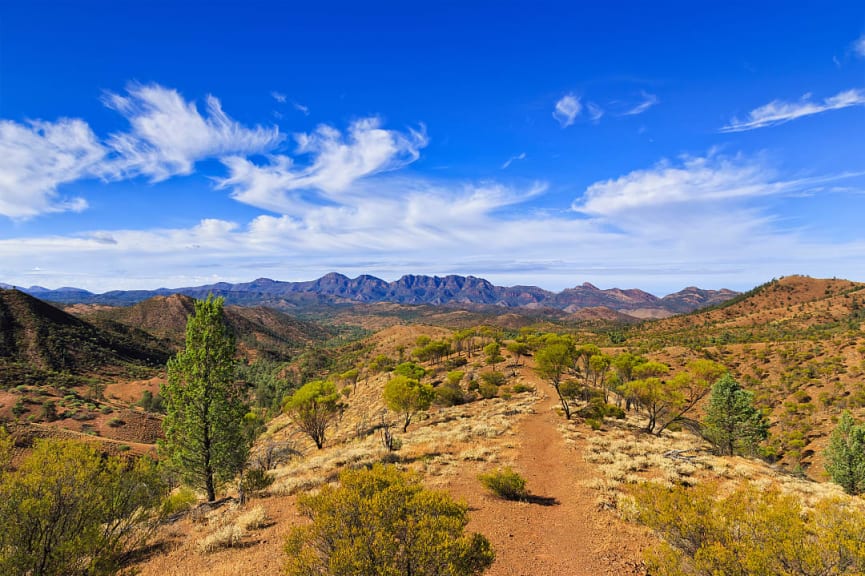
{"x":93,"y":372}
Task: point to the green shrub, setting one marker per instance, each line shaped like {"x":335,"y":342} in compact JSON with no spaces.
{"x":505,"y":483}
{"x":116,"y":422}
{"x":488,"y":390}
{"x":180,"y":500}
{"x":521,"y":387}
{"x":256,"y":480}
{"x":449,"y":395}
{"x":69,"y":510}
{"x":749,"y":531}
{"x":49,"y":411}
{"x":383,"y":521}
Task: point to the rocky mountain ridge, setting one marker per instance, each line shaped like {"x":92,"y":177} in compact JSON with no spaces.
{"x":453,"y":290}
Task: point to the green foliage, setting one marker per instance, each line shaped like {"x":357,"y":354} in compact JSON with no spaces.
{"x":6,"y":446}
{"x":505,"y":483}
{"x":265,"y":379}
{"x":488,"y":390}
{"x":49,"y":411}
{"x":845,"y":455}
{"x":256,"y":480}
{"x":69,"y":510}
{"x":178,"y":501}
{"x":407,"y":397}
{"x":551,"y":362}
{"x":203,"y":425}
{"x":521,"y":387}
{"x":518,"y":349}
{"x":732,"y":423}
{"x":666,"y":402}
{"x":432,"y":351}
{"x":381,"y":363}
{"x":410,"y":370}
{"x":314,"y":407}
{"x":383,"y":522}
{"x":751,"y":532}
{"x":449,"y":394}
{"x":493,"y":353}
{"x":494,"y":378}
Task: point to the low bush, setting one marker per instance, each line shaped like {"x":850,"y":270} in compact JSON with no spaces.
{"x":178,"y":501}
{"x":449,"y":395}
{"x":383,"y":521}
{"x":256,"y":480}
{"x":488,"y":390}
{"x":750,"y":531}
{"x":505,"y":483}
{"x":225,"y":537}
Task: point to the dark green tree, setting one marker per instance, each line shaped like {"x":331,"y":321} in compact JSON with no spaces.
{"x":845,"y":455}
{"x":732,"y":423}
{"x":205,"y":406}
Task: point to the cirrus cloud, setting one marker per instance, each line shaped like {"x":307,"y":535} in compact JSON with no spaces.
{"x":779,"y":112}
{"x":37,"y":157}
{"x":169,"y":135}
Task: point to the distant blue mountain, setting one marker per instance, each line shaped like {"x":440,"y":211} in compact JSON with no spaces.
{"x":336,"y":288}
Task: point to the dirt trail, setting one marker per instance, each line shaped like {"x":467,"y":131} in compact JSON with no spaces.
{"x":561,"y":531}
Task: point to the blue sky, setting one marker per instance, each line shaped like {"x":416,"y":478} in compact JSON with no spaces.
{"x":652,"y":145}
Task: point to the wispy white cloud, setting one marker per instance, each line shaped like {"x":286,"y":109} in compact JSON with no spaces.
{"x":595,"y":111}
{"x":567,"y":109}
{"x":279,"y":96}
{"x":301,"y":108}
{"x":37,"y":157}
{"x":649,"y":224}
{"x":337,"y":161}
{"x":512,"y":159}
{"x":859,"y":46}
{"x":780,"y":112}
{"x":692,"y":182}
{"x":648,"y":101}
{"x":169,"y":135}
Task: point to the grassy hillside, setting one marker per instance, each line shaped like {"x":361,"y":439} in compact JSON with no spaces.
{"x":797,"y":342}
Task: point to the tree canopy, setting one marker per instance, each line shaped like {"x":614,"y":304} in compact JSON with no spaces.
{"x":314,"y":407}
{"x":407,"y":397}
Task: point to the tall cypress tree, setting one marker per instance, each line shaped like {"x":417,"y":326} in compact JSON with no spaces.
{"x":732,"y":422}
{"x":203,"y":425}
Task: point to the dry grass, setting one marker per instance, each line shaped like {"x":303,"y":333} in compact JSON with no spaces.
{"x":223,"y":537}
{"x":625,"y":455}
{"x":252,"y":519}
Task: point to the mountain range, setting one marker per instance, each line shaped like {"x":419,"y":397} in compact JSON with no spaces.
{"x":454,"y":290}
